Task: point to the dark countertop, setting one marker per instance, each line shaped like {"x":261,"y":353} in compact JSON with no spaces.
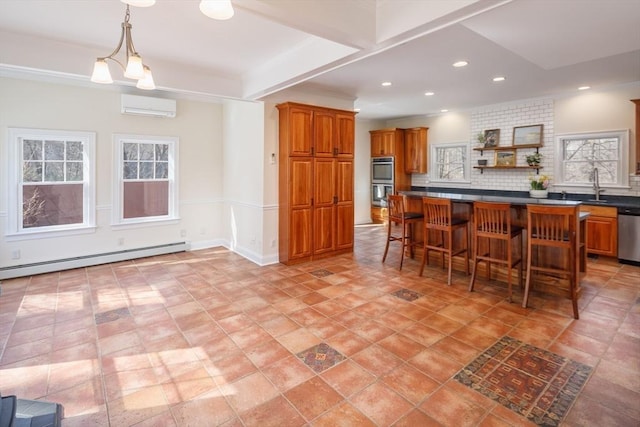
{"x":509,"y":196}
{"x":491,"y":198}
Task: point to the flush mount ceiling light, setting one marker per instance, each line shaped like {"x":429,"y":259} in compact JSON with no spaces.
{"x":134,"y":68}
{"x":217,"y":9}
{"x":460,"y":64}
{"x":139,"y":3}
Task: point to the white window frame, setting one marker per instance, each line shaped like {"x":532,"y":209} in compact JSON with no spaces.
{"x":14,"y":230}
{"x":118,"y":220}
{"x":623,"y":160}
{"x":433,"y":165}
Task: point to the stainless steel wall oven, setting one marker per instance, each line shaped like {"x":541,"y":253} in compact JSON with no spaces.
{"x":382,"y":169}
{"x":379,"y":193}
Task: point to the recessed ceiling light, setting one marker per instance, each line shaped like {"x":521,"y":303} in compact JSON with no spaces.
{"x":499,"y":79}
{"x":444,"y":110}
{"x":429,"y":93}
{"x":584,"y":88}
{"x":386,"y":83}
{"x":460,"y":64}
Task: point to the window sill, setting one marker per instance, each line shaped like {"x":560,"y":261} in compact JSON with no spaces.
{"x":145,"y":223}
{"x":40,"y":234}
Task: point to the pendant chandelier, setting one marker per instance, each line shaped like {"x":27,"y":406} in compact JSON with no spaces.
{"x":134,"y":68}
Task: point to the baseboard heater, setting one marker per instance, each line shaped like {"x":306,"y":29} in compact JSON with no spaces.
{"x":90,"y":260}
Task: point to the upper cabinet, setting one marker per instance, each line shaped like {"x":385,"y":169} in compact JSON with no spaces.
{"x":345,"y":139}
{"x":318,"y":131}
{"x":387,"y":142}
{"x":415,"y":150}
{"x":324,"y":130}
{"x":408,"y":146}
{"x":299,"y":127}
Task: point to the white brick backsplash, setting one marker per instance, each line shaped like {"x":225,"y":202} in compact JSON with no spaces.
{"x":505,"y":118}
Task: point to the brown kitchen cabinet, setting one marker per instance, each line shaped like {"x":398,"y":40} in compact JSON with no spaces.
{"x":415,"y":150}
{"x":602,"y":230}
{"x":345,"y":138}
{"x":299,"y":211}
{"x":379,"y":215}
{"x":387,"y":142}
{"x":316,"y":213}
{"x":318,"y":132}
{"x":345,"y":211}
{"x":298,"y":130}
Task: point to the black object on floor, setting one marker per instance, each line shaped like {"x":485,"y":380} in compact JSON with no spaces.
{"x":29,"y":413}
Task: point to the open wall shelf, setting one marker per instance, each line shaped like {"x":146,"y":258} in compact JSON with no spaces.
{"x":482,"y":168}
{"x":513,"y":148}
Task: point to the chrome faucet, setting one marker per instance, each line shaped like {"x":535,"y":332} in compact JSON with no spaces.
{"x":596,"y":184}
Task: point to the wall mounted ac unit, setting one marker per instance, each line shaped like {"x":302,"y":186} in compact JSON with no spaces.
{"x":148,"y":106}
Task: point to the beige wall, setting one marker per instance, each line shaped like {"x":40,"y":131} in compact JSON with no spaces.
{"x":198,"y":126}
{"x":595,"y":110}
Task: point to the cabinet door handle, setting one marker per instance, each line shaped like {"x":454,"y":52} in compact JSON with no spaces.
{"x":335,"y":200}
{"x":312,"y":201}
{"x":312,"y":151}
{"x":335,"y":151}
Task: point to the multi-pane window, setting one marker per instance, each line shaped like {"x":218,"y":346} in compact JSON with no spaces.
{"x":582,"y":154}
{"x":146,"y":171}
{"x":54,"y":189}
{"x":449,"y":162}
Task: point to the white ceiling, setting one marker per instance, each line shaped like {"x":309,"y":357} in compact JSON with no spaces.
{"x":343,"y":47}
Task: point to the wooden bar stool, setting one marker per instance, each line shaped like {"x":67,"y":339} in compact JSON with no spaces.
{"x":492,"y":222}
{"x":406,"y":220}
{"x":438,"y":216}
{"x":553,"y":227}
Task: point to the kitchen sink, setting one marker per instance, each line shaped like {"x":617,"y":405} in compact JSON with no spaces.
{"x":594,"y":201}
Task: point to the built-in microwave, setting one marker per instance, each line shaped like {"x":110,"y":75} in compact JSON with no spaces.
{"x":379,"y":193}
{"x":382,"y":170}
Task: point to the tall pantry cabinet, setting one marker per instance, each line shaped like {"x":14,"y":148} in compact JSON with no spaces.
{"x":316,"y":212}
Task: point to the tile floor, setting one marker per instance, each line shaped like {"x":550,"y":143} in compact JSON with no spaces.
{"x":208,"y":338}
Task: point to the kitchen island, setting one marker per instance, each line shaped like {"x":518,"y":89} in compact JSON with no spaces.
{"x":470,"y":198}
{"x":552,"y":257}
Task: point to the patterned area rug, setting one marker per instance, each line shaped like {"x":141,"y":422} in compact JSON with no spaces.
{"x":321,"y":273}
{"x":320,"y":357}
{"x":110,"y":316}
{"x":537,"y":384}
{"x":407,"y":294}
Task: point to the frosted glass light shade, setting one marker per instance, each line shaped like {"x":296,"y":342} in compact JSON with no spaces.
{"x":139,"y":3}
{"x":134,"y":69}
{"x":101,"y":72}
{"x":217,"y":9}
{"x":146,"y":82}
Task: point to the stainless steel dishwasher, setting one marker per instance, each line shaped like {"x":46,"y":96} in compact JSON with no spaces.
{"x":629,"y":235}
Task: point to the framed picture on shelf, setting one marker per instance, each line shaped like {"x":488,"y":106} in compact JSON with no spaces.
{"x":505,"y":158}
{"x":491,"y":138}
{"x":527,"y":135}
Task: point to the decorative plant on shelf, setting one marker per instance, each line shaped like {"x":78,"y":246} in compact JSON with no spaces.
{"x":534,"y":159}
{"x":481,"y":139}
{"x":539,"y":183}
